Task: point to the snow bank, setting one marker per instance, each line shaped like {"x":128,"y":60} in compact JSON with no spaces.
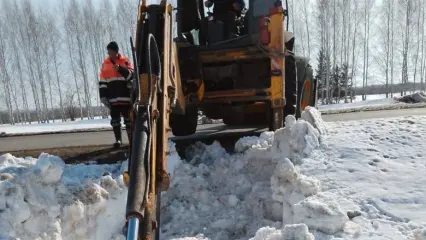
{"x":257,"y":193}
{"x":221,"y":196}
{"x":245,"y":143}
{"x":321,"y":212}
{"x":45,"y":199}
{"x":294,"y":232}
{"x":303,"y":205}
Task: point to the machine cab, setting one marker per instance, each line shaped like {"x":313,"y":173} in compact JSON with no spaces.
{"x":203,"y":26}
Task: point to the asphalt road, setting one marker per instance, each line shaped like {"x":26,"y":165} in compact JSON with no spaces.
{"x":106,"y":137}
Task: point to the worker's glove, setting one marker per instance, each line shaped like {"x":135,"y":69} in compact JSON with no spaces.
{"x":105,"y":102}
{"x":208,"y":4}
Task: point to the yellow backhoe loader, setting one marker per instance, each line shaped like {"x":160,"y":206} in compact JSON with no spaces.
{"x":189,"y":60}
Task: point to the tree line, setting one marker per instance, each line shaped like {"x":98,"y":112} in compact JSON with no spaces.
{"x":50,"y":57}
{"x":374,"y":42}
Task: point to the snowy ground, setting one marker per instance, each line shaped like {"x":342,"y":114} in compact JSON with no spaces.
{"x":357,"y":103}
{"x":75,"y":126}
{"x":57,"y":126}
{"x":372,"y":103}
{"x":343,"y":180}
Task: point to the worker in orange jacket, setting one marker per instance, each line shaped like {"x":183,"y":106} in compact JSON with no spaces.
{"x":115,"y":85}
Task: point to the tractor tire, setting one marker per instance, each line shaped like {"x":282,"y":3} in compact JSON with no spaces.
{"x":306,"y":86}
{"x":290,"y":86}
{"x":184,"y":125}
{"x":234,"y":116}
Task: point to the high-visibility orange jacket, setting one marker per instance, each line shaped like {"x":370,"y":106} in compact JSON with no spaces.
{"x":113,"y":84}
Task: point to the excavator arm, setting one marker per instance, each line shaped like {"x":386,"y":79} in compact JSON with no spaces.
{"x":154,"y":97}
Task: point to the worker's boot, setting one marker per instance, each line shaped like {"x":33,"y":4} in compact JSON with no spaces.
{"x":117,"y":134}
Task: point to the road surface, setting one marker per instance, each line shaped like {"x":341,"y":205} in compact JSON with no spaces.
{"x":106,"y":137}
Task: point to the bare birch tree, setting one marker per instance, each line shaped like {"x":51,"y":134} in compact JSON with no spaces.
{"x":407,"y":7}
{"x":55,"y":43}
{"x":80,"y":37}
{"x":93,"y":26}
{"x":306,"y":14}
{"x":69,"y":46}
{"x":27,"y":42}
{"x":5,"y":75}
{"x":13,"y":23}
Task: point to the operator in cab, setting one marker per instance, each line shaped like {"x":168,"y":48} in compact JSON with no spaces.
{"x":223,"y":6}
{"x":226,"y":11}
{"x":115,"y":85}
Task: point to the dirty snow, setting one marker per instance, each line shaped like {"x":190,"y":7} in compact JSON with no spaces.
{"x":309,"y":180}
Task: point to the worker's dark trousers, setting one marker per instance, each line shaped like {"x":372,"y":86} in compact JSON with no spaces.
{"x":116,"y":113}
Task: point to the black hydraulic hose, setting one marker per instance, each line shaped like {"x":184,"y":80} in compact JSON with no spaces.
{"x":137,"y":170}
{"x":139,"y":167}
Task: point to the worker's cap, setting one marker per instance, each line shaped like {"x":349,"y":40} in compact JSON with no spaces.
{"x":112,"y":46}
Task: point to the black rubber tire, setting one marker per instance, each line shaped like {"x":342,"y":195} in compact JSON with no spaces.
{"x":290,"y":86}
{"x":234,"y":117}
{"x":305,"y":72}
{"x":184,"y":125}
{"x":314,"y":98}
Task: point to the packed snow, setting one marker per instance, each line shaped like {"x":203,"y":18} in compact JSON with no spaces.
{"x":309,"y":180}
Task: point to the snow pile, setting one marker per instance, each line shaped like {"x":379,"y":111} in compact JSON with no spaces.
{"x":230,"y":194}
{"x":313,"y":116}
{"x":46,"y":199}
{"x":343,"y":180}
{"x":221,"y":196}
{"x":245,"y":143}
{"x":294,"y":232}
{"x":299,"y":138}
